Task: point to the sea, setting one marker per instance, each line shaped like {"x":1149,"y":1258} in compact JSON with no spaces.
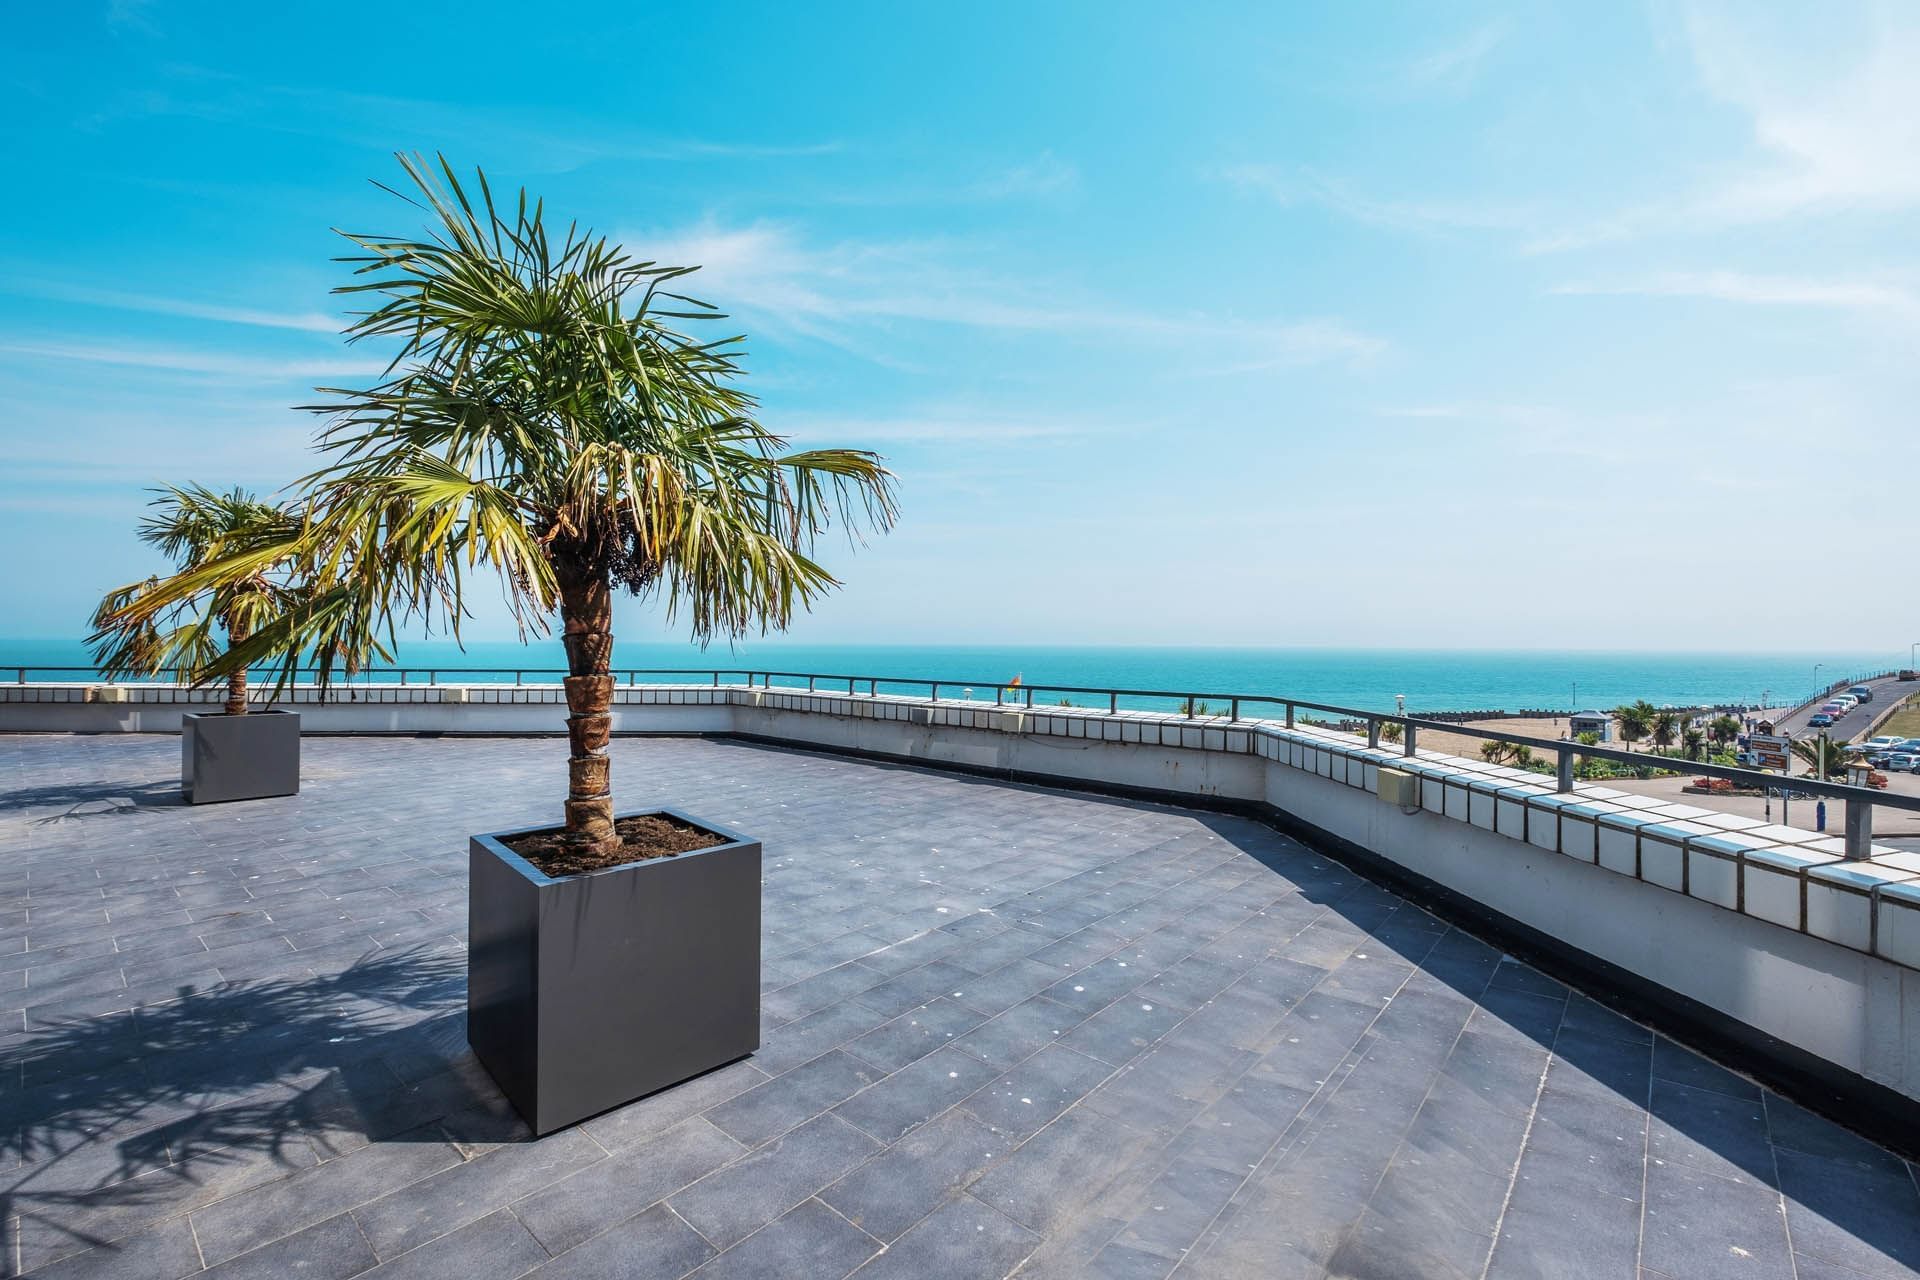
{"x":1430,"y":680}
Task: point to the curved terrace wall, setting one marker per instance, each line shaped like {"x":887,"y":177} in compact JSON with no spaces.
{"x":1765,"y":931}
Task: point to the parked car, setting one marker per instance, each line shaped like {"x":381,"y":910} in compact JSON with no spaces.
{"x":1861,"y":693}
{"x":1821,"y":719}
{"x":1900,"y":762}
{"x":1876,"y":745}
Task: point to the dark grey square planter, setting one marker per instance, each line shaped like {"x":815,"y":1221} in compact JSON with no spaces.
{"x":248,"y":757}
{"x":587,"y":992}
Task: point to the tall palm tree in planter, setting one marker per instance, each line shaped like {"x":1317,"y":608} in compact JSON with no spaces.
{"x":543,"y":417}
{"x":183,"y":624}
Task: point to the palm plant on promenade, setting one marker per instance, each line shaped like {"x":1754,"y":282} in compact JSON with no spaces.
{"x":1636,"y":720}
{"x":543,"y":419}
{"x":1664,"y":728}
{"x":1823,"y":757}
{"x":1723,"y":729}
{"x":182,"y":624}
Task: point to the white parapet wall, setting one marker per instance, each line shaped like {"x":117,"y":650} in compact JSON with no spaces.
{"x":1769,"y":927}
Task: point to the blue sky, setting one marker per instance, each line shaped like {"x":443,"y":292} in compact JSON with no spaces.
{"x":1395,"y":325}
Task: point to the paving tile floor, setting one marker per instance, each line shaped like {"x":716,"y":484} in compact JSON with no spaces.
{"x":1007,"y":1031}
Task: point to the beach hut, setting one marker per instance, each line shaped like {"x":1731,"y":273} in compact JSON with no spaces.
{"x":1598,"y":722}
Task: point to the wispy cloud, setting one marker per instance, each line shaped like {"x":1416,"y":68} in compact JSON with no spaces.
{"x":1761,"y":290}
{"x":189,"y":361}
{"x":836,"y":292}
{"x":941,"y":427}
{"x":1832,"y":130}
{"x":1456,"y":65}
{"x":558,"y":140}
{"x":1299,"y":186}
{"x":191,"y":308}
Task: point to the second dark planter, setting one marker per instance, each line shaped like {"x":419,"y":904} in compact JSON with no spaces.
{"x":589,"y":991}
{"x":248,"y":757}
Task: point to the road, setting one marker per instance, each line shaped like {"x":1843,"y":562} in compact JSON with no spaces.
{"x":1856,"y":722}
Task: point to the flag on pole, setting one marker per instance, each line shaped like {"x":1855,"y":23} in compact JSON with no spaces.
{"x":1014,"y":683}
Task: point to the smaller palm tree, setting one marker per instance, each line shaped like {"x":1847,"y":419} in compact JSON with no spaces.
{"x":1665,"y":728}
{"x":153,"y":627}
{"x":1822,"y":756}
{"x":1694,"y":742}
{"x":1636,"y":720}
{"x":1723,"y":729}
{"x":1503,"y":752}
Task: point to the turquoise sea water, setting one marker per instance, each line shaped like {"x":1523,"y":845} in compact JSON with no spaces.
{"x":1432,"y":680}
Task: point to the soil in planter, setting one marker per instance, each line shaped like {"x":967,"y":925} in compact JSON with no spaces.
{"x":643,"y":836}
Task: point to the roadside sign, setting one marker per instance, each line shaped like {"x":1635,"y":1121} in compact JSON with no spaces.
{"x":1771,"y":751}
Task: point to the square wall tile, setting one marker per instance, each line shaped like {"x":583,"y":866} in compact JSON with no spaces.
{"x":1713,"y":877}
{"x":1842,"y":915}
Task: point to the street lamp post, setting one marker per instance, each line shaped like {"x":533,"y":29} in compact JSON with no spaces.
{"x":1817,"y":689}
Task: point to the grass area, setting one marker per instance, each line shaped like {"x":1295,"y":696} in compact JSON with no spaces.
{"x":1906,"y":721}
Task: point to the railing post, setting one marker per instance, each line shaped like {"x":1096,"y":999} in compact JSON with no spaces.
{"x":936,"y":694}
{"x":1289,"y":715}
{"x":1563,"y":770}
{"x":1113,"y":704}
{"x":1410,"y":737}
{"x":873,"y":688}
{"x":1373,"y":734}
{"x":810,"y":680}
{"x":403,"y":677}
{"x":999,"y":695}
{"x":1189,"y":708}
{"x":849,"y":686}
{"x":1859,"y":829}
{"x":1234,"y":710}
{"x":1029,"y":696}
{"x":516,"y":679}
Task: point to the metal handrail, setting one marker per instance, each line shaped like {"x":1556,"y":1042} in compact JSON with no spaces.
{"x":1859,"y":800}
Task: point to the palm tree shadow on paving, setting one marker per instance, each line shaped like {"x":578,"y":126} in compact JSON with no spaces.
{"x":112,"y":1114}
{"x":1468,"y":964}
{"x":79,"y":800}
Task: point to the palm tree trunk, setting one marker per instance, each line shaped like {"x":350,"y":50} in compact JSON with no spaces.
{"x":237,"y":682}
{"x":586,"y":614}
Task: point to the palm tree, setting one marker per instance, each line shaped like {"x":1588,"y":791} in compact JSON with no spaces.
{"x":1503,"y":752}
{"x":1813,"y":752}
{"x":1694,"y":742}
{"x":1665,"y":727}
{"x":543,"y":418}
{"x":1723,"y":729}
{"x":149,"y":628}
{"x":1636,"y":720}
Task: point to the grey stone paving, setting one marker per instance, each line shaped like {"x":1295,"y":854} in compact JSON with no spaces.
{"x":1007,"y":1031}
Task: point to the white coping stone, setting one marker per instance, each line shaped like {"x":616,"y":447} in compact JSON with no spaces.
{"x":1899,"y":915}
{"x":1456,"y":805}
{"x":1730,"y":821}
{"x":1433,"y":793}
{"x":1784,"y":835}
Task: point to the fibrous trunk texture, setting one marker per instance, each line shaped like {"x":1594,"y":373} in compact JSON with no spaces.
{"x":237,"y":682}
{"x":586,"y":614}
